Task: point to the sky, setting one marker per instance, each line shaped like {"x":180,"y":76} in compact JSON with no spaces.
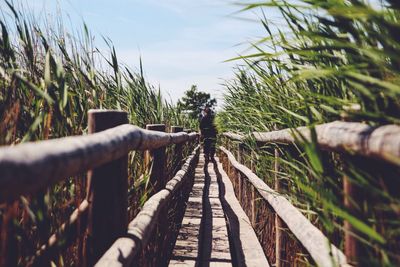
{"x":181,"y":42}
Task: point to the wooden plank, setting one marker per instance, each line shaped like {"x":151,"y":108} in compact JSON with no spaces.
{"x":187,"y":251}
{"x":140,"y":229}
{"x":178,"y":150}
{"x":29,"y":167}
{"x":356,"y":138}
{"x":278,"y":221}
{"x":248,"y":250}
{"x":315,"y":242}
{"x":158,"y":161}
{"x":234,"y":136}
{"x":215,"y":240}
{"x":203,"y":238}
{"x":107,"y":189}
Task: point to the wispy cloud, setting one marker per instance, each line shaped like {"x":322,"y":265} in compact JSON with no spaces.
{"x":181,"y":42}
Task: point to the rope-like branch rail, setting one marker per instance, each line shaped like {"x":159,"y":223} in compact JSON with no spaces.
{"x":26,"y":168}
{"x":352,"y":137}
{"x":68,"y":232}
{"x":314,"y":241}
{"x":140,"y":229}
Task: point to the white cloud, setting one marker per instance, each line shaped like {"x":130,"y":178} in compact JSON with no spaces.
{"x":196,"y":56}
{"x":175,"y":70}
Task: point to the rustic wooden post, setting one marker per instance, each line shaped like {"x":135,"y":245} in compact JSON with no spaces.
{"x":278,"y":221}
{"x":253,"y":206}
{"x":157,"y":175}
{"x":351,"y":244}
{"x":8,"y":242}
{"x":239,"y":159}
{"x":178,"y":150}
{"x":107,"y":188}
{"x":253,"y":193}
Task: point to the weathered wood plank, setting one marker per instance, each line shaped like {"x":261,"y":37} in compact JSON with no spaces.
{"x":157,"y":170}
{"x":187,"y":251}
{"x":356,"y":138}
{"x":106,"y":192}
{"x":215,"y":240}
{"x":178,"y":150}
{"x":203,"y":238}
{"x":248,"y":250}
{"x":315,"y":242}
{"x":28,"y":167}
{"x":124,"y":249}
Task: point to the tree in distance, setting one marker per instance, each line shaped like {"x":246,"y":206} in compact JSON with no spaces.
{"x":194,"y":101}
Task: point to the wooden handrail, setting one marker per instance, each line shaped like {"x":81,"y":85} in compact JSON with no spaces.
{"x":68,"y":232}
{"x":314,"y":241}
{"x":356,"y":138}
{"x":124,"y":249}
{"x":28,"y":167}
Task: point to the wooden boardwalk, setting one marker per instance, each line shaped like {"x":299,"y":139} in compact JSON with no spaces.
{"x":204,"y":239}
{"x":215,"y":231}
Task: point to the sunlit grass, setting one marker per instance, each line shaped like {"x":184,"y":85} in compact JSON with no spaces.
{"x":49,"y":79}
{"x":332,"y":60}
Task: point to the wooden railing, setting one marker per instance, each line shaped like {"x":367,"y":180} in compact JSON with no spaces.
{"x":275,"y":213}
{"x":101,"y":217}
{"x":154,"y":214}
{"x":381,"y":143}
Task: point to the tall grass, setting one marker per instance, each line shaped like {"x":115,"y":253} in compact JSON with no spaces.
{"x":328,"y":60}
{"x":49,"y":79}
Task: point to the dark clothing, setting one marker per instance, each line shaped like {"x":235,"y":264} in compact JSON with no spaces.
{"x":209,"y":147}
{"x":209,"y":134}
{"x":207,"y":126}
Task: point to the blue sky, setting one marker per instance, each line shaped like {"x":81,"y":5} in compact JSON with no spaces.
{"x":181,"y":42}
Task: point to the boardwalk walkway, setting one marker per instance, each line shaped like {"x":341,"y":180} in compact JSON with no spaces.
{"x":204,"y":238}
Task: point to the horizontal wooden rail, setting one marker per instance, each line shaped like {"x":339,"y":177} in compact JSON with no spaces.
{"x":314,"y":241}
{"x":124,"y":249}
{"x":356,"y":138}
{"x":65,"y":235}
{"x":26,"y":168}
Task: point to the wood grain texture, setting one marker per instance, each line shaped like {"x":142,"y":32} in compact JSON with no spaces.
{"x":157,"y":179}
{"x":28,"y":167}
{"x":124,"y":249}
{"x":106,"y":192}
{"x":355,"y":138}
{"x":248,"y":251}
{"x":314,"y":241}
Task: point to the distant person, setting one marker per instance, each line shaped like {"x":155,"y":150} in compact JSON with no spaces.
{"x":208,"y":133}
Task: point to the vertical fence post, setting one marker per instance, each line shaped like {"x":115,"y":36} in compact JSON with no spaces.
{"x":278,"y":223}
{"x":178,"y":150}
{"x":106,"y":192}
{"x":240,"y":160}
{"x":253,"y":193}
{"x":157,"y":169}
{"x":351,"y":245}
{"x":8,"y":241}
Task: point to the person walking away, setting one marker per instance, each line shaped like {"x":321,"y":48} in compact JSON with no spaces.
{"x":208,"y":133}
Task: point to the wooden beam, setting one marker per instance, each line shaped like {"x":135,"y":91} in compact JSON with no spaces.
{"x":29,"y":167}
{"x":107,"y":190}
{"x":158,"y":161}
{"x":64,"y":237}
{"x":140,"y":229}
{"x":178,"y":150}
{"x":314,"y":241}
{"x":278,"y":221}
{"x":246,"y":246}
{"x":351,"y":137}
